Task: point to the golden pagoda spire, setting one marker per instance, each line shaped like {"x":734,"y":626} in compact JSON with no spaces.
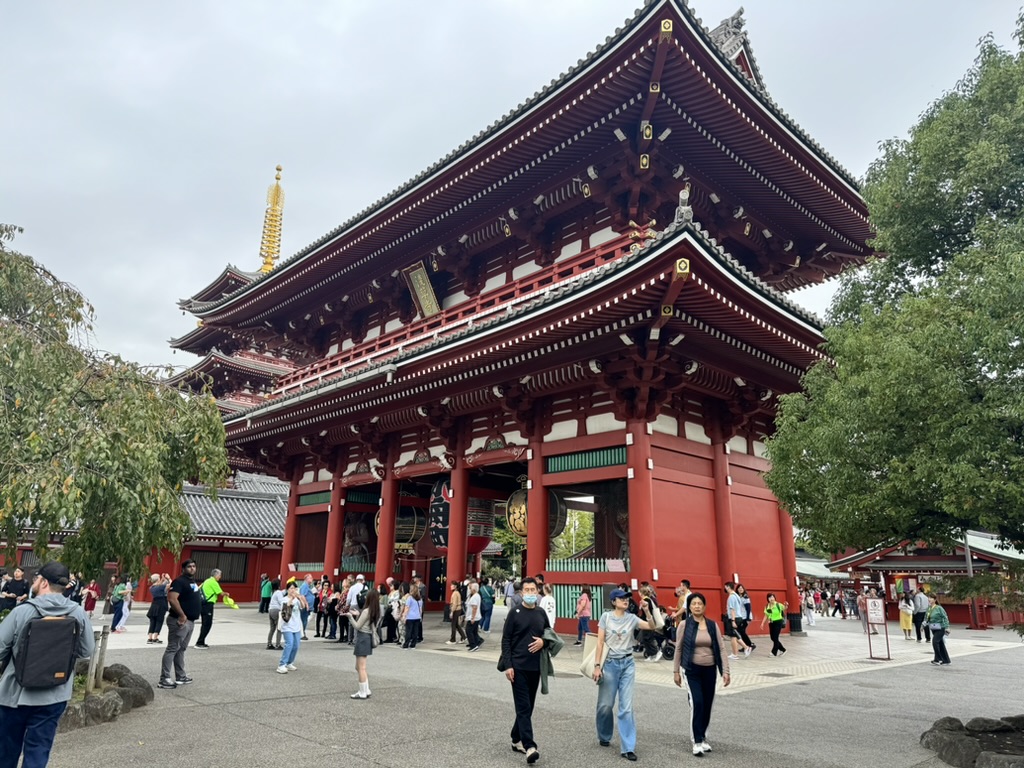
{"x":270,"y":245}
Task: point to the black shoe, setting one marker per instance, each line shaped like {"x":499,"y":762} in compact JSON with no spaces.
{"x":183,"y":680}
{"x":270,"y":647}
{"x":631,"y":756}
{"x":577,"y":643}
{"x":165,"y":683}
{"x":204,"y":646}
{"x":317,"y":635}
{"x":278,"y":647}
{"x":604,"y":743}
{"x":517,"y":746}
{"x":532,"y":755}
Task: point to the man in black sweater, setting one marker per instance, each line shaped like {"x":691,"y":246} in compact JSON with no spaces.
{"x":521,"y":643}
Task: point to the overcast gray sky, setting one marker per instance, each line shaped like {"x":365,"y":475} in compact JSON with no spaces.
{"x":139,"y":138}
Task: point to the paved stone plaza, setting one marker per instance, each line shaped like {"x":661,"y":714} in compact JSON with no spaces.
{"x":825,"y":704}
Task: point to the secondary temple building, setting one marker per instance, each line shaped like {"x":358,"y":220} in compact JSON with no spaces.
{"x":584,"y":306}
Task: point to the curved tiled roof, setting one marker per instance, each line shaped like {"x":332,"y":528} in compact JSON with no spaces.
{"x":630,"y":25}
{"x":238,"y":514}
{"x":663,"y":239}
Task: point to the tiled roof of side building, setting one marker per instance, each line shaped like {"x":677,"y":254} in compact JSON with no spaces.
{"x":495,"y":128}
{"x":250,"y":481}
{"x":235,"y":513}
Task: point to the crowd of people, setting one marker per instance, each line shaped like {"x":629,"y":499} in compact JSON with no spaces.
{"x":363,"y":615}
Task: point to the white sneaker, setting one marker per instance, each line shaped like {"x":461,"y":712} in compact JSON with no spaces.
{"x":734,"y":657}
{"x":698,"y":750}
{"x":291,"y":667}
{"x":705,"y":747}
{"x":282,"y":670}
{"x":747,"y":651}
{"x":449,"y":642}
{"x":658,"y":656}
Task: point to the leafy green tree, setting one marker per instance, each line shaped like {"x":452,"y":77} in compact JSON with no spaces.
{"x":577,"y":536}
{"x":915,"y":426}
{"x":956,"y":179}
{"x":90,"y":442}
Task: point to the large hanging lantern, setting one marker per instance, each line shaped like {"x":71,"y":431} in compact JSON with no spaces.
{"x":479,"y":525}
{"x":410,"y":525}
{"x":440,"y":510}
{"x":479,"y":519}
{"x":516,"y":509}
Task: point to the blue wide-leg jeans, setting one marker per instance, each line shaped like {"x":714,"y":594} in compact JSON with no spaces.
{"x":617,"y":678}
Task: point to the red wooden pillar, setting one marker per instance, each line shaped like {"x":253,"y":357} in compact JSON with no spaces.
{"x":640,"y":496}
{"x":335,"y":525}
{"x":291,"y":525}
{"x":727,"y":565}
{"x":458,"y":524}
{"x":537,"y":527}
{"x":385,"y":560}
{"x":789,"y":570}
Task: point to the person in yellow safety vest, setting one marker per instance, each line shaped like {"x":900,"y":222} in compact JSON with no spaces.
{"x":211,"y":591}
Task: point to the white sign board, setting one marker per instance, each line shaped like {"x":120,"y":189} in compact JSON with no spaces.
{"x":876,"y":610}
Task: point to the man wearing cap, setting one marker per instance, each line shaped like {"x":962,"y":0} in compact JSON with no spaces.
{"x":352,"y":604}
{"x":211,"y":591}
{"x":186,"y":602}
{"x":29,"y":716}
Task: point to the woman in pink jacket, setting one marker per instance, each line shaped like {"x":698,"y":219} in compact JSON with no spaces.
{"x":583,"y":613}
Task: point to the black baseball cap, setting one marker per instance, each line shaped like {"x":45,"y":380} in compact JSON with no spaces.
{"x":55,"y":573}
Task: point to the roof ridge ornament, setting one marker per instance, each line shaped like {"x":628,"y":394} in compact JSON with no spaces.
{"x":270,"y":244}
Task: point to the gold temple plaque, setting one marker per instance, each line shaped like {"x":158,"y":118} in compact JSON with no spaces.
{"x":418,"y":280}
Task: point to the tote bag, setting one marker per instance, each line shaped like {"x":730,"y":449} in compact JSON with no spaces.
{"x":590,"y":655}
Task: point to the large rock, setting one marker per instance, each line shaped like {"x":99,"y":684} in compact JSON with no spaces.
{"x":127,"y":699}
{"x":82,"y":667}
{"x":102,"y":709}
{"x":996,"y":760}
{"x":953,"y":747}
{"x":115,"y":672}
{"x":142,"y":691}
{"x":948,"y":724}
{"x":1017,"y":721}
{"x":73,"y":717}
{"x":987,"y":725}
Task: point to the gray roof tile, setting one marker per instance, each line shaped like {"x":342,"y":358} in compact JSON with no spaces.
{"x":235,"y":513}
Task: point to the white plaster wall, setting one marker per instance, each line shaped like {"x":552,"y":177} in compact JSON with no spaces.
{"x":602,"y":236}
{"x":307,"y":477}
{"x":524,"y":269}
{"x":372,"y":333}
{"x":323,"y":474}
{"x":495,"y":282}
{"x":759,"y":449}
{"x":666,"y":424}
{"x":456,"y":298}
{"x":695,"y":432}
{"x":477,"y":444}
{"x":561,"y":430}
{"x":569,"y":250}
{"x":392,"y":325}
{"x":738,"y":444}
{"x":332,"y":350}
{"x":604,"y":422}
{"x":512,"y":437}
